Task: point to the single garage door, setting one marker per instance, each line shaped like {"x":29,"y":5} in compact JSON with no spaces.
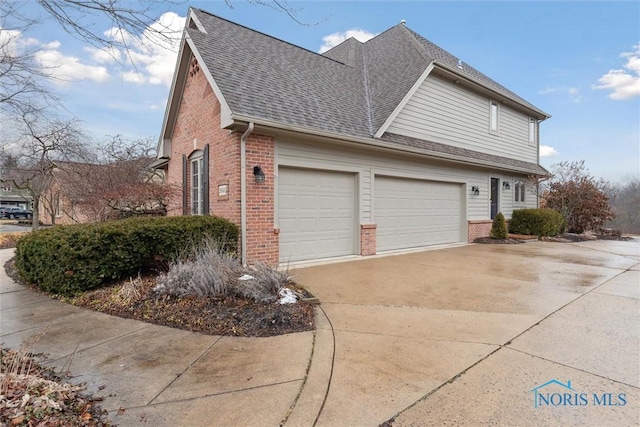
{"x":316,"y":214}
{"x":413,"y":213}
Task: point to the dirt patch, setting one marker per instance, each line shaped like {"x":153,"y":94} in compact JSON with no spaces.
{"x":234,"y":316}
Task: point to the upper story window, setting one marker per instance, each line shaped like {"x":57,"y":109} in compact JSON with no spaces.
{"x":520,"y":187}
{"x":493,"y":116}
{"x":197,"y":189}
{"x":533,"y":131}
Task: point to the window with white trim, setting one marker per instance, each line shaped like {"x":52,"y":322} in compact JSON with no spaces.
{"x":519,"y":192}
{"x":197,"y":189}
{"x":493,"y":116}
{"x":533,"y":131}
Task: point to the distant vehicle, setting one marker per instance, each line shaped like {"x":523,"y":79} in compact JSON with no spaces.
{"x":14,"y":212}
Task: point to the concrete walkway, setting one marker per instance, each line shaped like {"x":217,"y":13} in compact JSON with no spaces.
{"x":454,"y":336}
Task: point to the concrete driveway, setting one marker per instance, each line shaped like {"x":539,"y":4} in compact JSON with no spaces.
{"x":458,"y":336}
{"x":461,"y":336}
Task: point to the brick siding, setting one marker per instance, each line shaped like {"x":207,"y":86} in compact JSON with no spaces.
{"x":480,"y":228}
{"x":198,"y":124}
{"x":368,"y":239}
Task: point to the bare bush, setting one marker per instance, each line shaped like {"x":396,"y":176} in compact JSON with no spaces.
{"x":211,"y":272}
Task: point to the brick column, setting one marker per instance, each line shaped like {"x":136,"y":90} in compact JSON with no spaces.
{"x":368,"y":239}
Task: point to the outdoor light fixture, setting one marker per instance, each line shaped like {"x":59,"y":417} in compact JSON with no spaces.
{"x":475,"y":190}
{"x":258,"y":174}
{"x":506,"y":185}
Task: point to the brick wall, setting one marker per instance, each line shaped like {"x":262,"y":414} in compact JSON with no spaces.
{"x":198,"y":124}
{"x":262,"y":238}
{"x":199,"y":119}
{"x":368,"y":239}
{"x":481,"y":228}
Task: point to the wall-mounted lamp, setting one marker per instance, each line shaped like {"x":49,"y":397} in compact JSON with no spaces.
{"x":475,"y":190}
{"x":258,"y":174}
{"x":506,"y":185}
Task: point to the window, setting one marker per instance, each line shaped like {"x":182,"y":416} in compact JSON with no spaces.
{"x":493,"y":117}
{"x":533,"y":131}
{"x":519,"y":191}
{"x":197,"y":205}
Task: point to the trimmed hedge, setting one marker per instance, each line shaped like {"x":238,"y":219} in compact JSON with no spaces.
{"x":536,"y":222}
{"x":70,"y":259}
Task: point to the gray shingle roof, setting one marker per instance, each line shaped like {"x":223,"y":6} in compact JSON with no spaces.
{"x":350,"y":90}
{"x":473,"y":156}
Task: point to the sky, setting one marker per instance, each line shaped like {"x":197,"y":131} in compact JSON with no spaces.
{"x":577,"y":61}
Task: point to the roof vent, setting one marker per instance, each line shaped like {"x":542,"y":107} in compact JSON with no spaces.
{"x":460,"y":63}
{"x":404,"y":21}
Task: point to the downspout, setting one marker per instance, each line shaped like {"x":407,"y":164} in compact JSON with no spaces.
{"x":243,"y":193}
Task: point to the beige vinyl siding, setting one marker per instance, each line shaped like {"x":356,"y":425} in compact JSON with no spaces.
{"x":368,"y":163}
{"x":444,"y":112}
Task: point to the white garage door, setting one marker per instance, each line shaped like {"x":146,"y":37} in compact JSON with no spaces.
{"x":316,"y":214}
{"x":413,"y":213}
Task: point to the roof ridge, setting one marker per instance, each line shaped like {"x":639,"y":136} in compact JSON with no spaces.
{"x":266,"y":35}
{"x":367,"y":92}
{"x":419,"y":47}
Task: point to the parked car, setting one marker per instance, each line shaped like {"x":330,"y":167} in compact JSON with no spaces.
{"x":14,"y":212}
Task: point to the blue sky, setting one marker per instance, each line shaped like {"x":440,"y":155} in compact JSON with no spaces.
{"x":578,"y":61}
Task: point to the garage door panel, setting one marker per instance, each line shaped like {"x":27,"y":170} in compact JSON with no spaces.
{"x":316,"y":214}
{"x":415,"y":213}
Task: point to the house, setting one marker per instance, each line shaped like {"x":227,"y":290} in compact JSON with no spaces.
{"x":10,"y":196}
{"x":370,"y":147}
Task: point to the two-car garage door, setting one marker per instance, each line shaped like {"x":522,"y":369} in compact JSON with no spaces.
{"x":317,"y":213}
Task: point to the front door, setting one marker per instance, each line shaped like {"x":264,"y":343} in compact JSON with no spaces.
{"x":494,"y":196}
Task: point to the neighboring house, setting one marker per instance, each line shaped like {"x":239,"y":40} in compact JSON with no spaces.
{"x":370,"y":147}
{"x":10,"y":196}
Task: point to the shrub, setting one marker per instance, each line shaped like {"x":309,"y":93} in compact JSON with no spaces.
{"x":499,"y":227}
{"x":537,"y":222}
{"x":70,"y":259}
{"x":211,"y":272}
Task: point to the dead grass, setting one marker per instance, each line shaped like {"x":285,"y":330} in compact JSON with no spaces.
{"x":8,"y":240}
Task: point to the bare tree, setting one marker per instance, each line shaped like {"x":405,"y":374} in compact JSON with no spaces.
{"x":625,"y":201}
{"x":40,"y":145}
{"x":117,"y":183}
{"x":23,"y":80}
{"x":579,"y":197}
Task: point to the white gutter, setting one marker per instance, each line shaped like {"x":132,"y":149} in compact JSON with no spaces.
{"x":243,"y":193}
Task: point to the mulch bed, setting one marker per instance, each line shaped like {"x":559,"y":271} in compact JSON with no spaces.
{"x":492,"y":241}
{"x":228,"y":315}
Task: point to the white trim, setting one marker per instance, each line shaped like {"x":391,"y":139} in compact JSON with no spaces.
{"x":404,"y":101}
{"x":194,"y":18}
{"x":493,"y":131}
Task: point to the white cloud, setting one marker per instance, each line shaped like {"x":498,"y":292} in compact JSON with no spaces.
{"x":65,"y":68}
{"x":572,"y":92}
{"x":104,"y":56}
{"x":335,"y":39}
{"x":625,"y":83}
{"x":153,"y":55}
{"x":547,"y":151}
